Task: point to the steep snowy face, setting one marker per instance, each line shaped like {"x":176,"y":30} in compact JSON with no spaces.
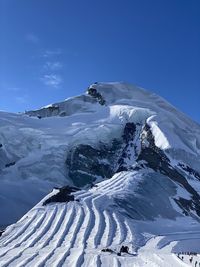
{"x":171,"y":128}
{"x":125,"y":164}
{"x":70,"y":106}
{"x":112,"y":129}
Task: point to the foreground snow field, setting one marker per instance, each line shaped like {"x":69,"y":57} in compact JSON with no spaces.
{"x":130,"y":162}
{"x":74,"y":234}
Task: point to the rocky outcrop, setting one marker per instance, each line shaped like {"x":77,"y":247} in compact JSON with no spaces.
{"x":49,"y":111}
{"x":131,"y":147}
{"x":156,"y":159}
{"x":93,"y":92}
{"x":64,"y":195}
{"x":189,"y":170}
{"x":10,"y":164}
{"x":78,"y":104}
{"x":86,"y":164}
{"x":136,"y":150}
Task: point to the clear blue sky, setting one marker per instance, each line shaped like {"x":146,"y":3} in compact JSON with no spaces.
{"x":53,"y":49}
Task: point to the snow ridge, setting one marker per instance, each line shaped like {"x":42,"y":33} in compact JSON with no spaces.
{"x":134,"y":160}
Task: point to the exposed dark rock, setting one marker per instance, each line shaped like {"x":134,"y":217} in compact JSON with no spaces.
{"x":53,"y":108}
{"x":136,"y":151}
{"x":107,"y":250}
{"x":1,"y":232}
{"x":189,"y":170}
{"x":129,"y":147}
{"x":124,"y":249}
{"x":129,"y":132}
{"x":185,"y":205}
{"x":93,"y":92}
{"x":157,"y":160}
{"x":10,"y":164}
{"x":1,"y":145}
{"x":64,"y":195}
{"x":85,"y":163}
{"x":121,"y":168}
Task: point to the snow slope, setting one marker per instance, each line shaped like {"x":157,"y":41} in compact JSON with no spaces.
{"x":74,"y":233}
{"x":134,"y":160}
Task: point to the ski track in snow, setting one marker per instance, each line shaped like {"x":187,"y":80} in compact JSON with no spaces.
{"x":73,"y":234}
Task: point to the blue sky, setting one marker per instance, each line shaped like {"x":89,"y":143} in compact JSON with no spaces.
{"x":53,"y":49}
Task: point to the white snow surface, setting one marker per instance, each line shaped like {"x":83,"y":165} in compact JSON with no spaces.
{"x":73,"y":234}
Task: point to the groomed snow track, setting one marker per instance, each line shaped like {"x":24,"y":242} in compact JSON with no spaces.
{"x":73,"y":234}
{"x":69,"y":234}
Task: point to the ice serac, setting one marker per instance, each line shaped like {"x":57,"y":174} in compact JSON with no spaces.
{"x":125,"y":165}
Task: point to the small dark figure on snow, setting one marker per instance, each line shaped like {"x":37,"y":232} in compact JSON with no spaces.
{"x":124,"y":249}
{"x":107,"y":250}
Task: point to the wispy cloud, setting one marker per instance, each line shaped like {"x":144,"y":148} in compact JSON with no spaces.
{"x":32,"y":38}
{"x":51,"y":53}
{"x":53,"y":80}
{"x":53,"y":66}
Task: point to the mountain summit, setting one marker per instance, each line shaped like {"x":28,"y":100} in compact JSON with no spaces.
{"x":125,"y":168}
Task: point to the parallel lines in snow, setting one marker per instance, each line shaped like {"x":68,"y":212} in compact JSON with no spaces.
{"x":46,"y":226}
{"x":73,"y":240}
{"x":28,"y":232}
{"x":105,"y":237}
{"x":112,"y":228}
{"x":113,"y":184}
{"x":21,"y":230}
{"x":130,"y":235}
{"x":98,"y":261}
{"x":99,"y":222}
{"x":58,"y":239}
{"x":91,"y":222}
{"x":62,"y":234}
{"x":67,"y":241}
{"x":48,"y":237}
{"x":121,"y":232}
{"x":54,"y":227}
{"x":33,"y":239}
{"x":116,"y":262}
{"x":84,"y":233}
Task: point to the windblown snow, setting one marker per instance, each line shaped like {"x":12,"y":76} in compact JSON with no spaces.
{"x":124,"y":168}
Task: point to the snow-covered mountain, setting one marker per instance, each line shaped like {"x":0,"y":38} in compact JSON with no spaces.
{"x":128,"y":165}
